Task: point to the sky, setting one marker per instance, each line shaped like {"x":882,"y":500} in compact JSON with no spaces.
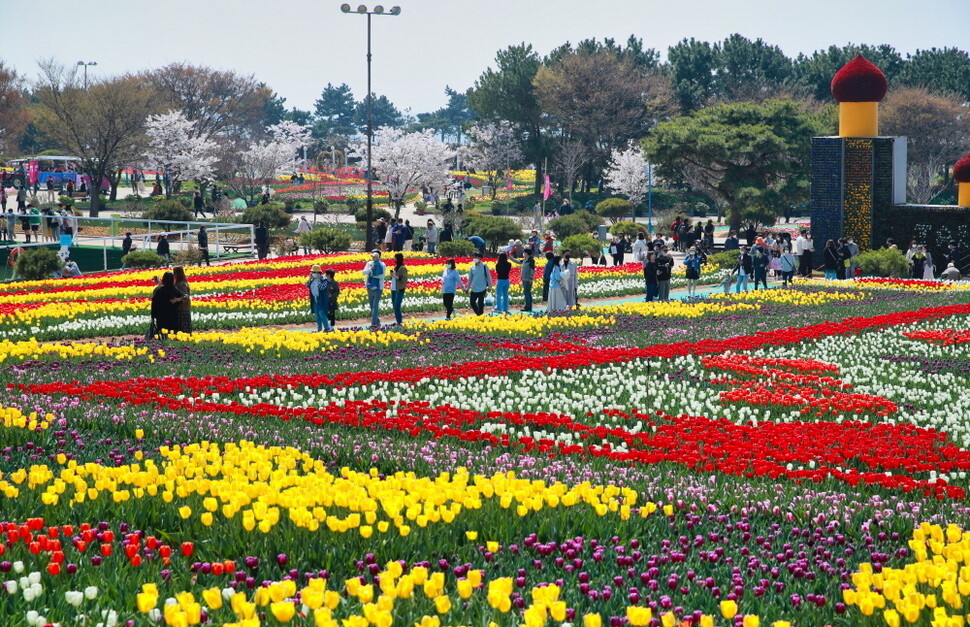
{"x":297,"y":46}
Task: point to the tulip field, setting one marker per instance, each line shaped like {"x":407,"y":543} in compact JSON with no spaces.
{"x":782,"y":457}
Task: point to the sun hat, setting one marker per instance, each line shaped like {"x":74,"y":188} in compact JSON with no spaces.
{"x":315,"y":268}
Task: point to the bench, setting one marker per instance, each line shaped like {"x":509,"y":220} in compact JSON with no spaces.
{"x":239,"y":247}
{"x":81,"y":196}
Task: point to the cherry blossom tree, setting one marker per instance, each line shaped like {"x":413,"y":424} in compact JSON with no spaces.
{"x":175,"y":146}
{"x":405,"y":161}
{"x":260,"y":163}
{"x":625,"y":174}
{"x":491,"y":147}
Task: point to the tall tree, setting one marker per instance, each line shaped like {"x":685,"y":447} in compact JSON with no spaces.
{"x":258,"y":163}
{"x":571,"y":156}
{"x":815,"y":72}
{"x":691,"y":65}
{"x":221,"y":103}
{"x":625,"y":173}
{"x":754,"y":157}
{"x":492,"y":147}
{"x":14,"y":116}
{"x":750,"y":70}
{"x":174,"y":146}
{"x":103,"y":125}
{"x":945,"y":71}
{"x":937,"y":128}
{"x":335,"y":113}
{"x":603,"y":100}
{"x":383,"y":113}
{"x":507,"y":93}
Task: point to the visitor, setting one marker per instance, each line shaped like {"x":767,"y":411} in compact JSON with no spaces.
{"x":549,"y":244}
{"x":319,"y":298}
{"x":845,"y":258}
{"x":333,"y":291}
{"x":731,"y":243}
{"x":399,"y":283}
{"x":618,"y":250}
{"x":744,"y":268}
{"x":692,"y":265}
{"x":760,"y":263}
{"x":198,"y":203}
{"x":398,"y":235}
{"x":303,"y":226}
{"x":34,"y":222}
{"x":788,"y":263}
{"x":261,"y":239}
{"x":165,"y":300}
{"x":527,"y":275}
{"x":375,"y":272}
{"x":831,"y":261}
{"x":502,"y":270}
{"x":665,"y":266}
{"x":952,"y":255}
{"x":446,"y":234}
{"x":12,"y":257}
{"x":479,"y":282}
{"x":534,"y":243}
{"x":929,"y":269}
{"x":640,"y":248}
{"x":917,"y":261}
{"x":163,"y":249}
{"x":126,"y":244}
{"x":451,"y":282}
{"x":408,"y":236}
{"x":650,"y":276}
{"x":546,"y":276}
{"x":808,"y":252}
{"x":184,"y":305}
{"x":431,"y":237}
{"x":558,"y":282}
{"x":388,"y":241}
{"x":380,"y":232}
{"x":478,"y":243}
{"x":952,"y":273}
{"x":203,"y":240}
{"x":570,"y":279}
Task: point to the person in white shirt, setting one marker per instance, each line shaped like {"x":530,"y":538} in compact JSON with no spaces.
{"x":431,"y":237}
{"x":301,"y":228}
{"x":640,"y":248}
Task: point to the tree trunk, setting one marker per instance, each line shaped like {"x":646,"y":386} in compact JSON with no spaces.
{"x":95,"y":192}
{"x":114,"y":180}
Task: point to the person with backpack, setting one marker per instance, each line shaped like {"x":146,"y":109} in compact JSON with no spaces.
{"x":692,"y":265}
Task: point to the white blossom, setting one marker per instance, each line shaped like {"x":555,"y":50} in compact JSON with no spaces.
{"x":625,"y":174}
{"x":174,"y":146}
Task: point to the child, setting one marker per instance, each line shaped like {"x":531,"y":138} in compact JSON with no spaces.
{"x":727,"y":280}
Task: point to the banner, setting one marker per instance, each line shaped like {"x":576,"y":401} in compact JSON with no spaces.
{"x":547,"y":192}
{"x":33,"y":172}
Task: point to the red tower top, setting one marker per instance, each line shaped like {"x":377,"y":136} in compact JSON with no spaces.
{"x":859,"y":81}
{"x":961,"y":170}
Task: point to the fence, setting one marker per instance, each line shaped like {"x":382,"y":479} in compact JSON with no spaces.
{"x":96,"y":242}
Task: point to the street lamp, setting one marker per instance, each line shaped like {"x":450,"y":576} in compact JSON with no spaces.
{"x":85,"y":66}
{"x":363,"y":10}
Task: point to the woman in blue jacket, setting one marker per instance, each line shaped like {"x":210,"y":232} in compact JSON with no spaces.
{"x":319,"y":298}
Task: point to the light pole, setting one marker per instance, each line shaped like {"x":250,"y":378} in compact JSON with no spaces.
{"x":363,"y":10}
{"x":85,"y":66}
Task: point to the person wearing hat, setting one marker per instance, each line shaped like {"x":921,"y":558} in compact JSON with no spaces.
{"x":319,"y":298}
{"x":374,"y":275}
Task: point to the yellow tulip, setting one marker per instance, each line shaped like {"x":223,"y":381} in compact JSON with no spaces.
{"x":729,"y":608}
{"x":283,"y":611}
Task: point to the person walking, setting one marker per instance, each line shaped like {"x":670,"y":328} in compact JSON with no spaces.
{"x":380,"y":232}
{"x":451,"y":282}
{"x":261,"y":239}
{"x":163,"y":249}
{"x":303,"y":226}
{"x":788,"y":264}
{"x":692,"y":268}
{"x":184,"y":305}
{"x":479,"y":282}
{"x":398,"y":235}
{"x":198,"y":204}
{"x":333,"y":290}
{"x":431,"y":237}
{"x":203,"y":239}
{"x":374,"y":273}
{"x":165,"y":300}
{"x":744,"y":269}
{"x":759,"y":261}
{"x":558,"y":282}
{"x":831,"y":261}
{"x":502,"y":270}
{"x":319,"y":298}
{"x":650,"y":276}
{"x":399,"y":283}
{"x":845,"y":258}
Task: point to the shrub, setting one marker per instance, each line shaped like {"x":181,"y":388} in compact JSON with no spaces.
{"x":360,"y":215}
{"x":320,"y":206}
{"x":565,"y":226}
{"x":337,"y":207}
{"x":724,"y":260}
{"x":67,"y":201}
{"x":169,"y":210}
{"x":144,"y":259}
{"x":884,"y":262}
{"x":272,"y":215}
{"x":190,"y":256}
{"x":38,"y":263}
{"x":495,"y":231}
{"x":460,"y":248}
{"x":582,"y":245}
{"x":614,"y":208}
{"x":630,"y":229}
{"x":326,"y":240}
{"x":132,"y":198}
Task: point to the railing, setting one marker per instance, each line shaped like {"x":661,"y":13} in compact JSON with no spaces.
{"x":88,"y":232}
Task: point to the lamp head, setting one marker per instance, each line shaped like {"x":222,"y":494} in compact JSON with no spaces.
{"x":395,"y":10}
{"x":379,"y":9}
{"x":362,"y":9}
{"x":345,"y":7}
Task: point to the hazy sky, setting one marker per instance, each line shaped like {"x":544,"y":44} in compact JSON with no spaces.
{"x":298,"y":46}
